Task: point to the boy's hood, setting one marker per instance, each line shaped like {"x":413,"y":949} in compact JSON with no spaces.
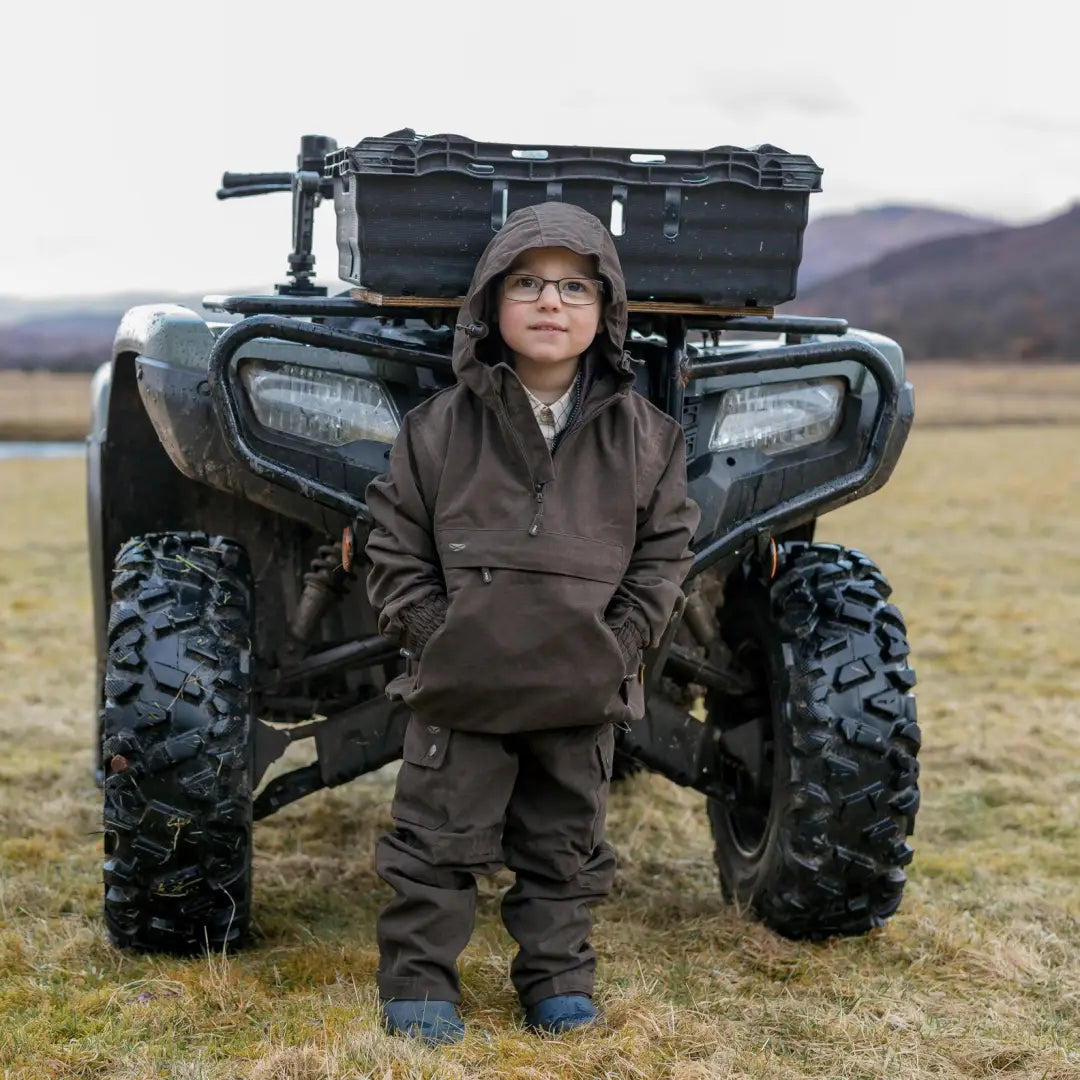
{"x":549,"y":224}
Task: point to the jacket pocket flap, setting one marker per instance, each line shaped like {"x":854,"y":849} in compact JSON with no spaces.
{"x":545,"y":553}
{"x":425,"y":744}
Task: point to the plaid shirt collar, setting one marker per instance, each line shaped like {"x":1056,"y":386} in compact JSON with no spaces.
{"x":554,"y":418}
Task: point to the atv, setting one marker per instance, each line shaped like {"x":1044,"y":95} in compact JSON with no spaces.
{"x":227,"y":464}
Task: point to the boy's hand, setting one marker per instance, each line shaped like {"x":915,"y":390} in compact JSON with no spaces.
{"x":631,"y":640}
{"x":422,"y":619}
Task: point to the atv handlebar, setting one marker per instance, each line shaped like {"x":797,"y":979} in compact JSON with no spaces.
{"x":243,"y":179}
{"x":308,"y":187}
{"x":237,"y":185}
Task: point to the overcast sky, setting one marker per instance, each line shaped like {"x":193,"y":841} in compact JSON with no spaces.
{"x":118,"y":119}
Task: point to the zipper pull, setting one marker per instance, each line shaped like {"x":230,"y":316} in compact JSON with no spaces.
{"x":485,"y":573}
{"x":534,"y":528}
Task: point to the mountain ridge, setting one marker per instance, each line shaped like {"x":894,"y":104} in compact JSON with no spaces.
{"x":833,"y":244}
{"x":1008,"y":293}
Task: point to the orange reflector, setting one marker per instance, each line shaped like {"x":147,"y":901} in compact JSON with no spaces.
{"x":347,"y":548}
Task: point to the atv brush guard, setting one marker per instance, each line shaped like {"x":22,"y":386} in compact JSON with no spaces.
{"x":677,"y":372}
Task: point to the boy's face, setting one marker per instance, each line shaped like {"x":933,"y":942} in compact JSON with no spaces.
{"x":548,"y":330}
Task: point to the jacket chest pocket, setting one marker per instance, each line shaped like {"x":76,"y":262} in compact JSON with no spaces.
{"x":486,"y":551}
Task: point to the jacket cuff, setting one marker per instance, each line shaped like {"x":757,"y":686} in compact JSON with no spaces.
{"x":422,"y":619}
{"x":631,"y":639}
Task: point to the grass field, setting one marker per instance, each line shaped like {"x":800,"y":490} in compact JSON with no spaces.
{"x":977,"y":976}
{"x":44,"y":405}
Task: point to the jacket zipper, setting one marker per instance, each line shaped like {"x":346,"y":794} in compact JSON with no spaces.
{"x":538,"y":518}
{"x":568,"y":433}
{"x":538,"y":488}
{"x":573,"y":418}
{"x":485,"y":573}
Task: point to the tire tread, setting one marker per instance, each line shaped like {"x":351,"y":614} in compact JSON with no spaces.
{"x":838,"y":848}
{"x":176,"y":725}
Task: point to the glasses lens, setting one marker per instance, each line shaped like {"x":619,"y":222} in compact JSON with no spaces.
{"x":528,"y":287}
{"x":522,"y":287}
{"x":578,"y":290}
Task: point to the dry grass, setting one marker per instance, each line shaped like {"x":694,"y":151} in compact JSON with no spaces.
{"x":978,"y":975}
{"x":44,"y":405}
{"x":951,"y":392}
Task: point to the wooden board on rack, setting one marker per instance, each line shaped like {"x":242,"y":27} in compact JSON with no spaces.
{"x":650,"y":307}
{"x":667,"y":307}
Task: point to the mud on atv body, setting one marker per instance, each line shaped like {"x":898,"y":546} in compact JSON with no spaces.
{"x":218,"y":573}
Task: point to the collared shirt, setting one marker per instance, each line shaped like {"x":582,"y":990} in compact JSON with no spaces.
{"x":553,"y":418}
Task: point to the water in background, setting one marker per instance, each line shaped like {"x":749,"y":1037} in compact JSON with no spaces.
{"x":13,"y":450}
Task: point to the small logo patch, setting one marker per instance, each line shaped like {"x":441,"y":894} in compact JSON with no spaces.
{"x":456,"y":547}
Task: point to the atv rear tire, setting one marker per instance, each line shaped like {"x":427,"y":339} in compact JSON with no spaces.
{"x":823,"y":772}
{"x":177,"y":726}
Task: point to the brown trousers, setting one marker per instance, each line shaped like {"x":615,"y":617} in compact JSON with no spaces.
{"x":465,"y":804}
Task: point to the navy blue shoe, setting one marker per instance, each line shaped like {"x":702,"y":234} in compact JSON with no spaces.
{"x":432,"y":1022}
{"x":560,"y":1013}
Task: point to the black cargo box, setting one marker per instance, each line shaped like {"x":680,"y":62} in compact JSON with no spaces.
{"x":721,"y":227}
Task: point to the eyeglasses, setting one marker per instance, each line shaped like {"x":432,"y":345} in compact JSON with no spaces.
{"x":525,"y":288}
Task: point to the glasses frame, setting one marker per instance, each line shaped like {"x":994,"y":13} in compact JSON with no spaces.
{"x":557,"y":282}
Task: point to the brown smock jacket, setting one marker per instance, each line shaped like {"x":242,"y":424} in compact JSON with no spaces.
{"x":528,"y":582}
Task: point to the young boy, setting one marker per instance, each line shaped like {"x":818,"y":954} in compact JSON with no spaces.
{"x":531,"y":539}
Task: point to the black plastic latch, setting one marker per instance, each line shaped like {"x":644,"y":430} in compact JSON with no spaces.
{"x":672,"y":207}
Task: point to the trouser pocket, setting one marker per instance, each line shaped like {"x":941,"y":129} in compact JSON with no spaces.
{"x":421,"y":794}
{"x":452,"y":791}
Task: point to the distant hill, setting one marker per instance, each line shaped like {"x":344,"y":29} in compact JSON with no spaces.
{"x":836,"y":243}
{"x":74,"y":333}
{"x":19,"y":309}
{"x":1006,"y":293}
{"x":76,"y":342}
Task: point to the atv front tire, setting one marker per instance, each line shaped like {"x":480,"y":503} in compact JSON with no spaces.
{"x":821,"y":767}
{"x":177,"y":726}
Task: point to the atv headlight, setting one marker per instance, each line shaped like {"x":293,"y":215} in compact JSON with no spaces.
{"x":324,"y":406}
{"x":778,"y":417}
